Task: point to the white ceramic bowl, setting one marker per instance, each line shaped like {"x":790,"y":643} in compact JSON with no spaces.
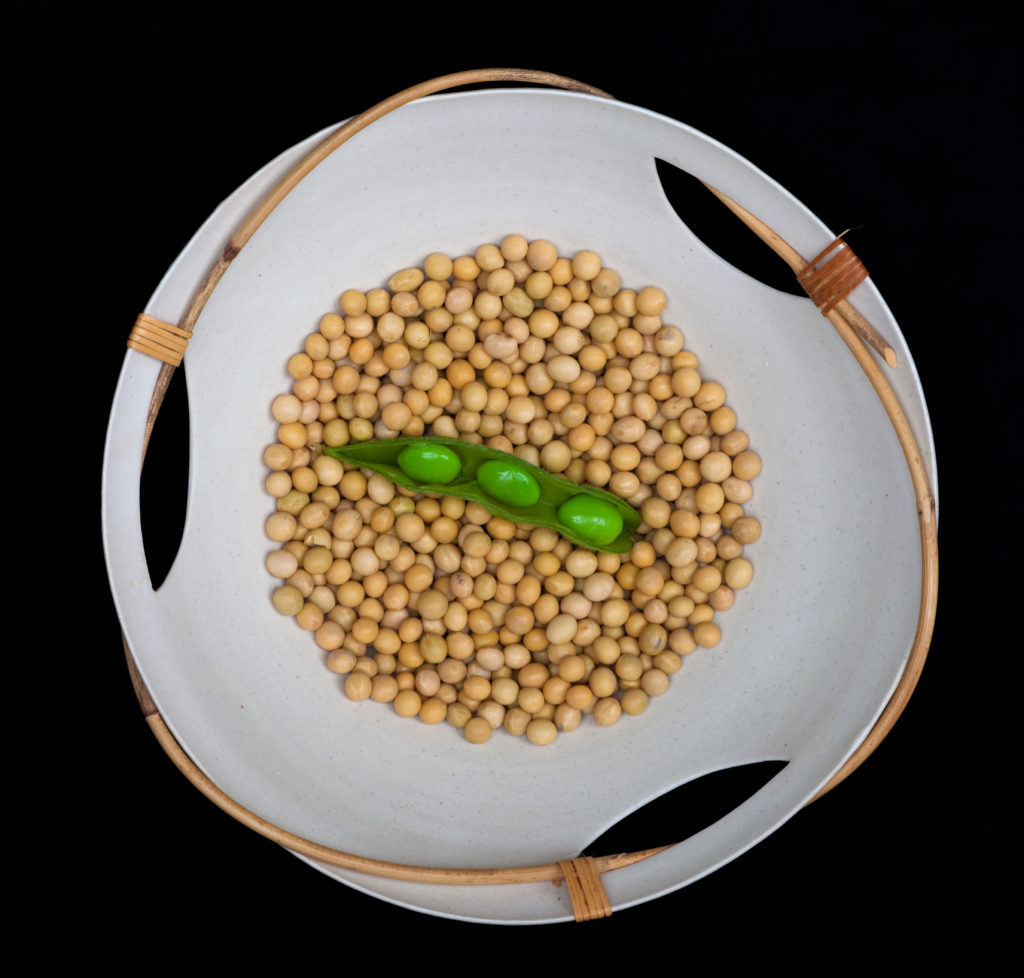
{"x":811,"y":651}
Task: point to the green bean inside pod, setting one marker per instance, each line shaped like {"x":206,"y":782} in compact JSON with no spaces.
{"x":506,"y":485}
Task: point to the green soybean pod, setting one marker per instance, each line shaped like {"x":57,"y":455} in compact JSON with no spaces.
{"x":506,"y":485}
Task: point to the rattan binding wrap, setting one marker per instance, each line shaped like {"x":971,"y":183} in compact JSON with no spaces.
{"x":829,"y":279}
{"x":158,"y":339}
{"x":832,"y":275}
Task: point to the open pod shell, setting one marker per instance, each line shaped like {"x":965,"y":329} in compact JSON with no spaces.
{"x":812,"y":653}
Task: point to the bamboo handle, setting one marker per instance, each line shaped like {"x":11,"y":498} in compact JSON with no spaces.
{"x":928,"y":525}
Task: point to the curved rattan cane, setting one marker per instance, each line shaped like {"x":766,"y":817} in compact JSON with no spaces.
{"x":582,"y":876}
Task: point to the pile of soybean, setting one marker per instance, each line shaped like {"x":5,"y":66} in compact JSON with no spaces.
{"x":449,"y":613}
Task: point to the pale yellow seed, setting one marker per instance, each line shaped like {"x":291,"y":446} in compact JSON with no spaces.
{"x":477,"y":730}
{"x":634,"y":701}
{"x":407,"y":703}
{"x":541,"y":732}
{"x":358,"y":686}
{"x":433,"y":710}
{"x":607,"y":711}
{"x":738,"y":572}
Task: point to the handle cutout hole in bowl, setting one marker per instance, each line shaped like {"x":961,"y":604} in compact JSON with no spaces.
{"x":163,"y":486}
{"x":722,"y":232}
{"x":684,"y":811}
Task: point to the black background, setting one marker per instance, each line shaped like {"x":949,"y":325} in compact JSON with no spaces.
{"x":128,"y":125}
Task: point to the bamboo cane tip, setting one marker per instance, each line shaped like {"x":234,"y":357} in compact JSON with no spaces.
{"x":890,"y":356}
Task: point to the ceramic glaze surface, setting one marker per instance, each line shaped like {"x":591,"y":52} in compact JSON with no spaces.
{"x":810,"y":653}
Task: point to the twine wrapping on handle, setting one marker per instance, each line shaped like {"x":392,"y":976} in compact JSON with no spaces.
{"x":589,"y":900}
{"x":832,"y":275}
{"x":158,"y":339}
